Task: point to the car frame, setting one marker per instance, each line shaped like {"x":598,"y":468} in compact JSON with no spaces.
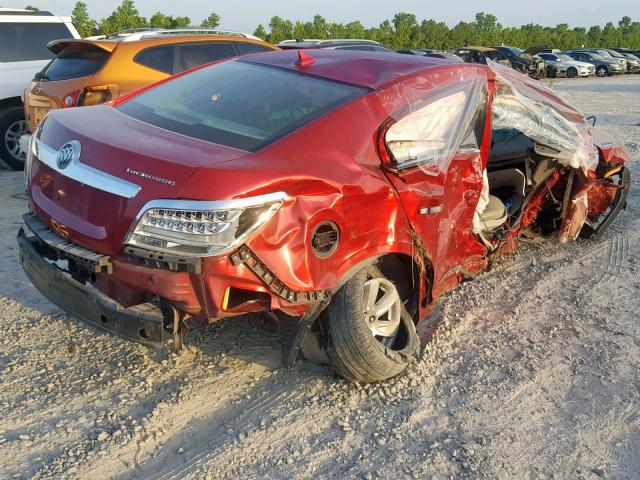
{"x":352,"y":192}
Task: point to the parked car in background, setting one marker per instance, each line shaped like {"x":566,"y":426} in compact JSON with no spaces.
{"x":565,"y":66}
{"x":335,"y":44}
{"x":627,"y":50}
{"x":606,"y":54}
{"x":424,"y":52}
{"x":24,"y":35}
{"x":525,"y":61}
{"x":92,"y":71}
{"x":603,"y":66}
{"x":240,"y":187}
{"x":633,"y":62}
{"x":481,"y":55}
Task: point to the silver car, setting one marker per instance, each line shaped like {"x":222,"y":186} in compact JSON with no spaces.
{"x":562,"y":65}
{"x":604,"y":66}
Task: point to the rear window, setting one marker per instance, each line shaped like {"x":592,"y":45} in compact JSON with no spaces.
{"x":75,"y":61}
{"x":191,"y":56}
{"x":245,"y":48}
{"x":239,"y":104}
{"x":21,"y":42}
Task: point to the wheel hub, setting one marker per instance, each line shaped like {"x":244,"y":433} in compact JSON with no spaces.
{"x":12,"y":139}
{"x":382,"y":309}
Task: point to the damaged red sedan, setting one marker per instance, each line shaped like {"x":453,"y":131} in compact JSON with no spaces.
{"x":349,"y":189}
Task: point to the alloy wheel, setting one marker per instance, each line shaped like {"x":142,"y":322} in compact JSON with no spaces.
{"x":601,"y":72}
{"x":382,"y":310}
{"x":12,"y":139}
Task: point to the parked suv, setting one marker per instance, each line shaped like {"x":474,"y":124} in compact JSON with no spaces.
{"x":99,"y":69}
{"x":24,"y":35}
{"x":350,"y":189}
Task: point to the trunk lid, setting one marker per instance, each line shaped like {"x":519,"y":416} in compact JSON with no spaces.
{"x":158,"y":161}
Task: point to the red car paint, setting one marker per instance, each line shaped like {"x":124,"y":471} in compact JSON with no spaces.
{"x":332,"y":169}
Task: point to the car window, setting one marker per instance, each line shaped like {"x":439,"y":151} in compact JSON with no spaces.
{"x":239,"y":104}
{"x":159,"y":58}
{"x":75,"y":61}
{"x":246,"y":48}
{"x":430,"y":135}
{"x":21,"y":42}
{"x":194,"y":55}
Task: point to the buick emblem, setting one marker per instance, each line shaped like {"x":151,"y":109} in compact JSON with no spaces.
{"x":68,"y":152}
{"x":38,"y":89}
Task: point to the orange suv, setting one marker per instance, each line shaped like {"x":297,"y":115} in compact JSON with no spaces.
{"x":98,"y":69}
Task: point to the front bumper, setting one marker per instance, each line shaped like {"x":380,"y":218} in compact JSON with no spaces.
{"x":142,"y":323}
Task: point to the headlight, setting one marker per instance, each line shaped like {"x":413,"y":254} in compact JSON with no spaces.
{"x":192,"y":228}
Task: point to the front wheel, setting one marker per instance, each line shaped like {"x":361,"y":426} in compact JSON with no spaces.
{"x":372,"y":337}
{"x":601,"y":71}
{"x":12,"y":127}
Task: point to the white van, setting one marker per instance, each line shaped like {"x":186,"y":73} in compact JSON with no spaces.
{"x":24,"y":35}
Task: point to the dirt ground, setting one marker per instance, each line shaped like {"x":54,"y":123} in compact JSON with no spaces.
{"x":534,"y":373}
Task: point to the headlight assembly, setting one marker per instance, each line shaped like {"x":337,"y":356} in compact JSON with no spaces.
{"x":193,"y":228}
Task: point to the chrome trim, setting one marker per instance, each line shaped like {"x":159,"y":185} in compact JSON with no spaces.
{"x":205,"y":205}
{"x":85,"y":174}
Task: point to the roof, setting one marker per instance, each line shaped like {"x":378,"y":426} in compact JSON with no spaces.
{"x":136,"y":34}
{"x":319,"y":43}
{"x":366,"y":69}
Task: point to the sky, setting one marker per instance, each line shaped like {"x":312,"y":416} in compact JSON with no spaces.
{"x":245,"y":15}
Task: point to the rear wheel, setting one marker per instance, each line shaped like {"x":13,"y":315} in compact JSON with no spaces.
{"x":372,"y":337}
{"x":12,"y":127}
{"x":601,"y":71}
{"x":572,"y":73}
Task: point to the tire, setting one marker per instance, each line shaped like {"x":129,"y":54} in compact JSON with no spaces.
{"x":12,"y":126}
{"x":601,"y":71}
{"x":572,"y":73}
{"x":353,"y":350}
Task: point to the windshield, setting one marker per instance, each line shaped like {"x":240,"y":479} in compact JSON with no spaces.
{"x":594,"y":56}
{"x":515,"y":51}
{"x":239,"y":104}
{"x":564,"y":57}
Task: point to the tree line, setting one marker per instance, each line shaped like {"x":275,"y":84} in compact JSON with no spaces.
{"x":403,"y":31}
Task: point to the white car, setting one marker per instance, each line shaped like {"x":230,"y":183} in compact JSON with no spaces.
{"x":566,"y":66}
{"x":24,"y":35}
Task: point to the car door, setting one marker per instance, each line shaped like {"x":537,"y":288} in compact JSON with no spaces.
{"x":437,"y":149}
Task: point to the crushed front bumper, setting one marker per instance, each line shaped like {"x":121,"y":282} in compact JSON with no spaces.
{"x":142,"y":323}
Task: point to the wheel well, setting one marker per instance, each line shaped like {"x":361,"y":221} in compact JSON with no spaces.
{"x":10,"y":102}
{"x":405,"y":273}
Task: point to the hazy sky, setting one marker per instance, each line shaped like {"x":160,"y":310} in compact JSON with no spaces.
{"x":245,"y":15}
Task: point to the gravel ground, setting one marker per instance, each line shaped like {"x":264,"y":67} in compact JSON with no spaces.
{"x":532,"y":374}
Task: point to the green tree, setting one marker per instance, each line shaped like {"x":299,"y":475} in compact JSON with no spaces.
{"x":160,"y":20}
{"x":280,"y":30}
{"x":80,"y":18}
{"x":260,"y":32}
{"x":212,"y":21}
{"x":125,"y":17}
{"x":405,"y":27}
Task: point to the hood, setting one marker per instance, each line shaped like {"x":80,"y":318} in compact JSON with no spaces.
{"x":534,"y":50}
{"x":123,"y":163}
